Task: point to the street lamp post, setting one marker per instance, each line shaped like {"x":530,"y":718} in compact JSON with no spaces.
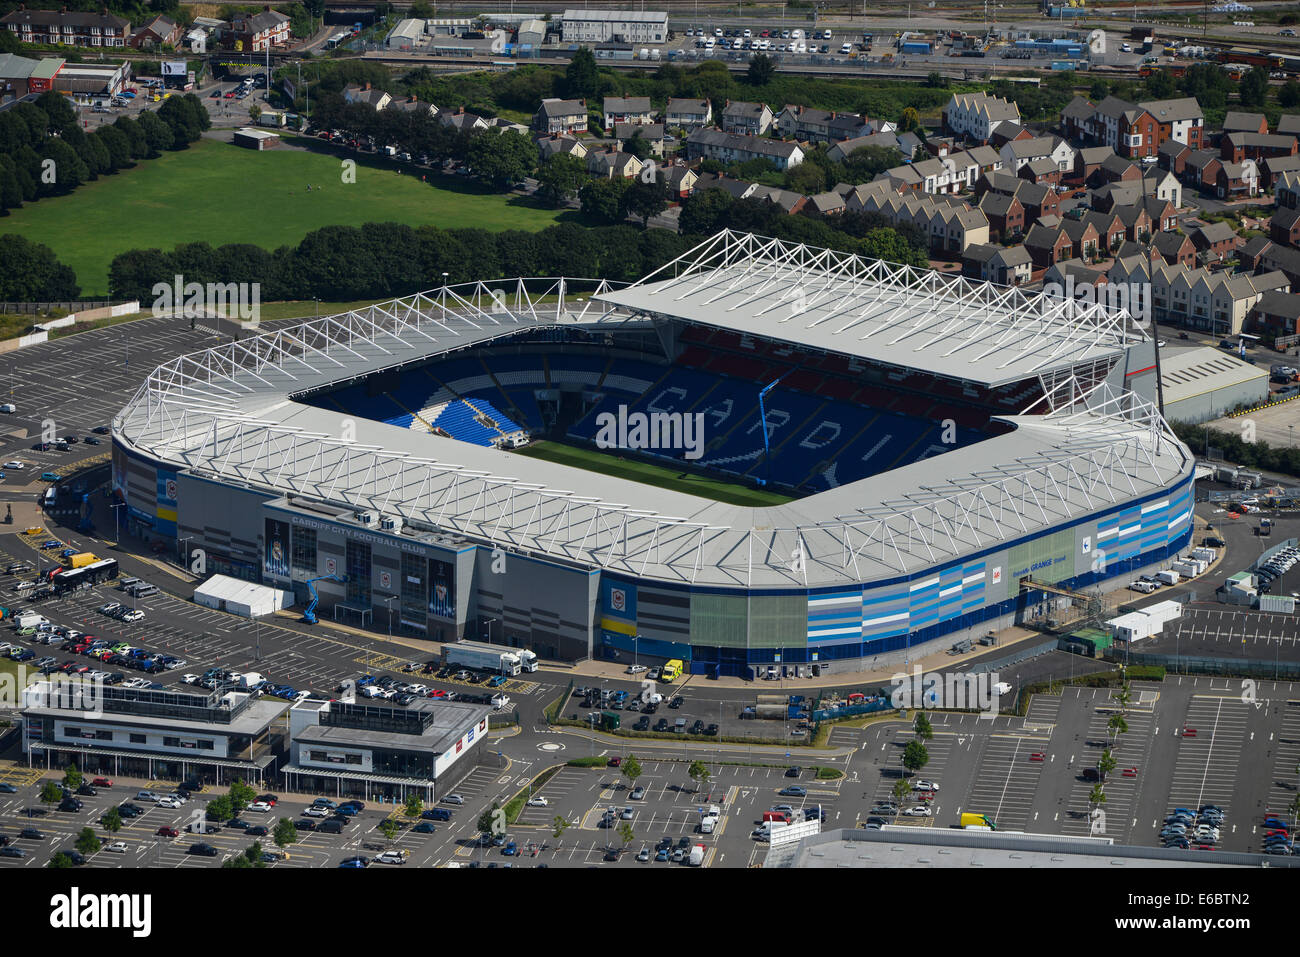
{"x":487,"y":629}
{"x":388,"y":605}
{"x":118,"y":518}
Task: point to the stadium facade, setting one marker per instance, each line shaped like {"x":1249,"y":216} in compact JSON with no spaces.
{"x":945,"y":446}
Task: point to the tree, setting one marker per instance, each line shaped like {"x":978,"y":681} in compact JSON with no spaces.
{"x":389,"y":828}
{"x":158,"y":135}
{"x":631,"y":769}
{"x":414,"y":805}
{"x":59,"y":109}
{"x":699,"y":773}
{"x":241,"y":795}
{"x":1161,"y":85}
{"x":704,"y":213}
{"x":62,"y":170}
{"x":1253,"y":88}
{"x":1099,"y":90}
{"x":72,"y":778}
{"x":1288,"y":95}
{"x":254,"y":113}
{"x":1106,"y":763}
{"x":502,"y":158}
{"x":220,"y":808}
{"x":915,"y":756}
{"x":911,"y":120}
{"x":285,"y":833}
{"x":252,"y":857}
{"x":638,"y":146}
{"x":761,"y":70}
{"x":581,"y":77}
{"x":60,"y":860}
{"x":112,"y":820}
{"x":901,"y":790}
{"x":645,"y":199}
{"x":1116,"y":726}
{"x":87,"y":842}
{"x":924,"y":729}
{"x":625,"y":833}
{"x":602,"y":199}
{"x":558,"y":826}
{"x":560,"y":178}
{"x":491,"y":822}
{"x":51,"y":793}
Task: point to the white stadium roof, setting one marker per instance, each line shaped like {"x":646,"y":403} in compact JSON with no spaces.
{"x":869,"y":309}
{"x":229,"y":413}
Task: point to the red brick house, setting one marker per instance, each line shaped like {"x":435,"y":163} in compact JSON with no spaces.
{"x":1048,"y":245}
{"x":1176,"y":249}
{"x":1285,"y":227}
{"x":1214,"y":240}
{"x":1006,"y":215}
{"x":1236,"y":147}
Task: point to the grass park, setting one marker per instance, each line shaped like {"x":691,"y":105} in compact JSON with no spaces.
{"x":606,"y":463}
{"x":219,"y":193}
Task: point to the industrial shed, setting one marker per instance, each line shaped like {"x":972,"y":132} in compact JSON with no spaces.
{"x":1202,"y":384}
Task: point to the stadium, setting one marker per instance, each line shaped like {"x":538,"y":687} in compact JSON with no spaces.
{"x":760,"y":454}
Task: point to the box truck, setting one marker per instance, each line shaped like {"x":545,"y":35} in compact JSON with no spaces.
{"x":484,"y":657}
{"x":1167,"y":577}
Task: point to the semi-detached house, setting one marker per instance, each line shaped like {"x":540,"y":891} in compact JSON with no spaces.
{"x":730,"y":148}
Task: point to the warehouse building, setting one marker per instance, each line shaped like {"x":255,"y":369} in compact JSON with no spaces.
{"x":1202,"y":384}
{"x":615,"y":26}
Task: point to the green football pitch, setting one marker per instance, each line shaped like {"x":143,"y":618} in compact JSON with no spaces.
{"x":219,"y":193}
{"x":607,"y":463}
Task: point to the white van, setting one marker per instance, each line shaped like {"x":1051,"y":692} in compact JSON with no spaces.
{"x":30,"y":620}
{"x":764,"y":831}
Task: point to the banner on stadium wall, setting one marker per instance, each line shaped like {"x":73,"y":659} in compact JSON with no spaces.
{"x":618,"y":607}
{"x":277,"y":548}
{"x":442,"y":589}
{"x":165,"y":522}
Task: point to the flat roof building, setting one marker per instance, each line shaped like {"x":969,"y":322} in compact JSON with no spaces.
{"x":369,"y":751}
{"x":213,"y":736}
{"x":615,"y":26}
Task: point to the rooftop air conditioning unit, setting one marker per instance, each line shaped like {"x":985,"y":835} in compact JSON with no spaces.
{"x":391,"y":523}
{"x":368,"y":517}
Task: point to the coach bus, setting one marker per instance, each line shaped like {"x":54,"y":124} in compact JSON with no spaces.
{"x":67,"y":579}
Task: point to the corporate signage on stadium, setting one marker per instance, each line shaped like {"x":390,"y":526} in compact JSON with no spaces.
{"x":391,"y":541}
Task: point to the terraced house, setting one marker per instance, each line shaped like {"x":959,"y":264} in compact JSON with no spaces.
{"x":1216,"y":302}
{"x":687,"y":114}
{"x":951,"y":224}
{"x":67,"y":28}
{"x":975,"y":115}
{"x":729,"y":148}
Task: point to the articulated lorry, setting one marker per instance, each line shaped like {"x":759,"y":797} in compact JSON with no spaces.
{"x":485,"y":657}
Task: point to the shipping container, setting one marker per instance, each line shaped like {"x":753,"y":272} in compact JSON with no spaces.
{"x":1277,"y":603}
{"x":915,"y":46}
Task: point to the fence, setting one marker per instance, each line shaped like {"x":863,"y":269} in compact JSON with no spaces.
{"x":33,"y":308}
{"x":1015,"y":657}
{"x":849,"y":711}
{"x":1201,"y":665}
